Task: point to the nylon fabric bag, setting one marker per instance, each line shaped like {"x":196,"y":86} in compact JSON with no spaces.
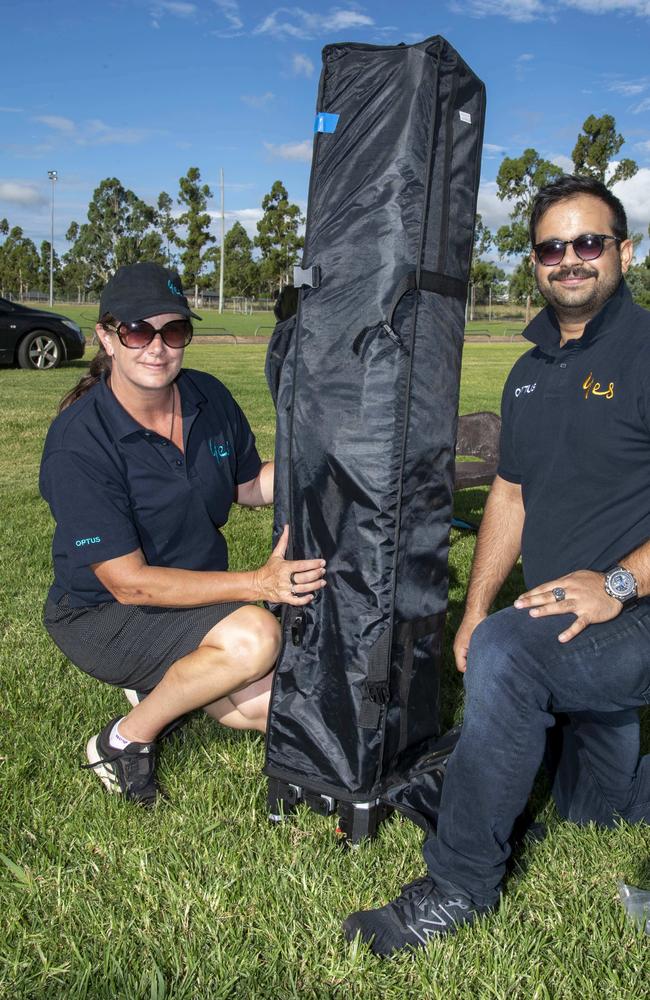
{"x":365,"y":378}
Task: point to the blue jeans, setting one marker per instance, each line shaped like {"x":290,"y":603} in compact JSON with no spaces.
{"x":519,"y":675}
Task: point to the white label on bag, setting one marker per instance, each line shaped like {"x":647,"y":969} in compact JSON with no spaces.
{"x":465,"y":117}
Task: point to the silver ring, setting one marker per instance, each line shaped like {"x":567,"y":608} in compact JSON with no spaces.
{"x":559,"y":593}
{"x":292,"y":579}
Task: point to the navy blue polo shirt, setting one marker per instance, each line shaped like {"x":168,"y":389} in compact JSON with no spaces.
{"x":114,"y":486}
{"x":576,"y":436}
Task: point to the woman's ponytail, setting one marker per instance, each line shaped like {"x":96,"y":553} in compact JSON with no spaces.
{"x":100,"y":363}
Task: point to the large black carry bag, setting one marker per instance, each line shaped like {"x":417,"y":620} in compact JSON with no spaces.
{"x":365,"y":378}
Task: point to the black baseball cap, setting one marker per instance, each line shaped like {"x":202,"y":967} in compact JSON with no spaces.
{"x":137,"y":291}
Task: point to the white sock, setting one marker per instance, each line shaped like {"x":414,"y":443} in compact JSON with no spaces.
{"x":116,"y":740}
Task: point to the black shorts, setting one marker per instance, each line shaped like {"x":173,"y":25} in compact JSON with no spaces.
{"x":128,"y":645}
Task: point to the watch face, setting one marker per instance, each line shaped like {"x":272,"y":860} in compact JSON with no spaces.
{"x":621,"y":583}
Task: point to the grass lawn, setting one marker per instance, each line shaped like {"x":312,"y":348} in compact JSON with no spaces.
{"x":237,"y":324}
{"x":201,"y":898}
{"x":240,"y":325}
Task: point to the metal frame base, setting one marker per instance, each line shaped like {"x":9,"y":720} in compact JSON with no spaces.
{"x":358,"y":821}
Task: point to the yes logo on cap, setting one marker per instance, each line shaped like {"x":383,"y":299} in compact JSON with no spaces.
{"x":173,"y":289}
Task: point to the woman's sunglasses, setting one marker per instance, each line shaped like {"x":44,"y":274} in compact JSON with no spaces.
{"x":586,"y":247}
{"x":176,"y":334}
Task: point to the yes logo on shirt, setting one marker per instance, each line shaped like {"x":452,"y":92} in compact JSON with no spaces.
{"x":219,"y":450}
{"x":593,"y":388}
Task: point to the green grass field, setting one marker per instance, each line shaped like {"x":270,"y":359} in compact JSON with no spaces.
{"x":235,"y":324}
{"x":201,"y":898}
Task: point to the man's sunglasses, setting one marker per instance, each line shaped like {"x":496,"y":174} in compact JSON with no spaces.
{"x":587,"y":247}
{"x":176,"y":334}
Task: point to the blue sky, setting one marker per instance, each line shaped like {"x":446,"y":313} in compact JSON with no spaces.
{"x":143,"y":89}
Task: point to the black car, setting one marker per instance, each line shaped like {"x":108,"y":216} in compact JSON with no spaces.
{"x":34,"y":338}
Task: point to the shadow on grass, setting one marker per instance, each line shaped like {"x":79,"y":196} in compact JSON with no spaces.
{"x":642,"y":873}
{"x":79,"y":363}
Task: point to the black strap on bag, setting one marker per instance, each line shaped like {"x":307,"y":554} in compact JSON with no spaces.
{"x":430,"y":281}
{"x":376,"y":690}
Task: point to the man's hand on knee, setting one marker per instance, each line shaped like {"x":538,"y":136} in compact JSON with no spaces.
{"x":581,"y":594}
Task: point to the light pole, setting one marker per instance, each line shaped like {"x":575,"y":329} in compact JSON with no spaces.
{"x":223,"y":248}
{"x":54,"y":176}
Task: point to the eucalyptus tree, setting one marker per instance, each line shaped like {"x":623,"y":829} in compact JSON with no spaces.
{"x":120,"y":229}
{"x":596,"y":149}
{"x":196,"y":222}
{"x":277,"y":237}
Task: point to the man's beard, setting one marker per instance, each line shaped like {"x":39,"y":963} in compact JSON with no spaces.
{"x":589,"y":299}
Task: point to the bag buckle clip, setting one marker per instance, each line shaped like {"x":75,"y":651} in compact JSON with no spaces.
{"x":306,"y":277}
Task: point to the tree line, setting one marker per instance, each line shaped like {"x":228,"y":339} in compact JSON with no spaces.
{"x":121,"y":229}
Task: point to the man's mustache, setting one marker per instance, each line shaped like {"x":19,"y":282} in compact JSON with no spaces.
{"x":573,"y":272}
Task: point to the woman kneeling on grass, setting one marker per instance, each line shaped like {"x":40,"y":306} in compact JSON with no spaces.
{"x":140,"y":470}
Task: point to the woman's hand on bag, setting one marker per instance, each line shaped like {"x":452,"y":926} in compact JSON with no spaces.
{"x":289,"y":581}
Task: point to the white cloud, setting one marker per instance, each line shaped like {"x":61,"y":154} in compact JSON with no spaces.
{"x":176,"y":7}
{"x":565,"y":163}
{"x":11,"y":111}
{"x":629,"y":88}
{"x":245,"y":215}
{"x":21,"y":193}
{"x":410,"y":37}
{"x":239,"y":186}
{"x":341,"y":19}
{"x":299,"y":23}
{"x":94,"y":132}
{"x":523,"y":65}
{"x":56,"y":122}
{"x":641,"y":8}
{"x":644,"y":105}
{"x":493,"y":211}
{"x":27,"y":151}
{"x":291,"y":150}
{"x":490,"y":150}
{"x":531,"y":10}
{"x":644,"y":147}
{"x":514,"y":10}
{"x":635,"y":195}
{"x":230,"y":10}
{"x":248,"y":217}
{"x":258,"y":100}
{"x":97,"y":133}
{"x":302,"y":65}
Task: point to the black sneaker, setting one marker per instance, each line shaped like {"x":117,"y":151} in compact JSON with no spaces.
{"x":421,"y":912}
{"x":131,"y":771}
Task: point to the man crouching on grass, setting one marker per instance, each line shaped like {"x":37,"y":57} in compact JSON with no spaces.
{"x":572,"y":495}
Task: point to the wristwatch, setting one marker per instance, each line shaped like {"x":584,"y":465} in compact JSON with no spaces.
{"x":620,"y":583}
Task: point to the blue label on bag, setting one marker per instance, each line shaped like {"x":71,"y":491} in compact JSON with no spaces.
{"x":325,"y":122}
